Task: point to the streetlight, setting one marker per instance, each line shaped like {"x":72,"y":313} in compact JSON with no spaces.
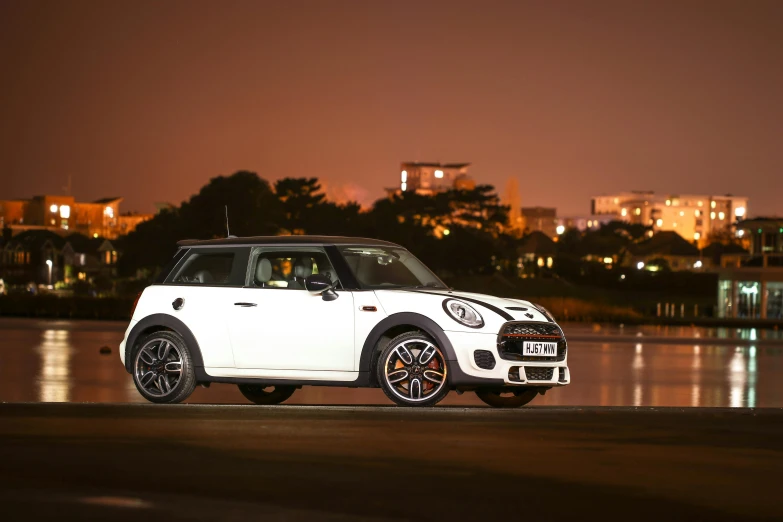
{"x":49,"y":264}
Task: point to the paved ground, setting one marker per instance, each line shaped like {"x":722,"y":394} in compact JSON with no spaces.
{"x":189,"y":462}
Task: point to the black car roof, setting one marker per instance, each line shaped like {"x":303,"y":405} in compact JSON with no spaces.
{"x":285,"y":240}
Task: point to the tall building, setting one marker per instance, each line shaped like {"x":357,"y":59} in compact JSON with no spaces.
{"x":540,"y":219}
{"x":431,"y":178}
{"x":693,"y":216}
{"x":64,"y":215}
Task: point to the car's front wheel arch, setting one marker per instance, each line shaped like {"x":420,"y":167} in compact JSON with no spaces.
{"x":394,"y":325}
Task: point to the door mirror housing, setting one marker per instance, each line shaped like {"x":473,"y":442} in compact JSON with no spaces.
{"x":320,"y":284}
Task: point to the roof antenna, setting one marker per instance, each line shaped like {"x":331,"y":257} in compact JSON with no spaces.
{"x":228,"y":231}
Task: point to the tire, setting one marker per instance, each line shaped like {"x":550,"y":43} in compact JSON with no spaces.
{"x":163,"y":368}
{"x":506,"y":397}
{"x":412,"y":370}
{"x":266,"y":395}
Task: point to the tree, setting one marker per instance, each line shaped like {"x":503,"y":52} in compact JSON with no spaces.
{"x":300,"y":198}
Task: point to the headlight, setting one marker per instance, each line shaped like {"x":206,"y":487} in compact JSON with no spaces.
{"x":545,"y":312}
{"x":463,"y":313}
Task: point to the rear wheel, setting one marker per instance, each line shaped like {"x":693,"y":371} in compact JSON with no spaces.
{"x":412,"y":370}
{"x":506,"y":397}
{"x":163,"y":369}
{"x":266,"y":395}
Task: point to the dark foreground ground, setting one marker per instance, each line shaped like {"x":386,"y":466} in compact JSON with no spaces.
{"x":145,"y":462}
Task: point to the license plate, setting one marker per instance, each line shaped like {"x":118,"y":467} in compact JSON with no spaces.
{"x":539,"y":349}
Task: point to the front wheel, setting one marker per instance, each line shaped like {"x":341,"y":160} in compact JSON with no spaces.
{"x":506,"y":397}
{"x":266,"y":395}
{"x":412,"y":370}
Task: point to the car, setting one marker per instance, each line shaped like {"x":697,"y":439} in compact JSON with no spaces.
{"x":273,"y":314}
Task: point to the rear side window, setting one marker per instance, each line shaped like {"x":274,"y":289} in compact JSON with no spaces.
{"x":212,"y":268}
{"x":164,"y":273}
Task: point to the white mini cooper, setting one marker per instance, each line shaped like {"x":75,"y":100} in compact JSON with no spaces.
{"x":273,"y":314}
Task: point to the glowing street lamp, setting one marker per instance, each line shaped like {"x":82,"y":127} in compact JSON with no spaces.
{"x":560,"y":229}
{"x":49,"y":264}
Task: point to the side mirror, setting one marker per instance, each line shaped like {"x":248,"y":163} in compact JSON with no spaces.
{"x":320,"y":284}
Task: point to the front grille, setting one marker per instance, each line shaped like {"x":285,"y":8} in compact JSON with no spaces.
{"x":537,"y":373}
{"x":513,"y":335}
{"x":484,"y":359}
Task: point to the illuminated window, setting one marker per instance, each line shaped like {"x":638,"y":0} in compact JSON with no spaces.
{"x":712,"y":215}
{"x":674,"y":224}
{"x":721,"y":215}
{"x":638,"y":212}
{"x":616,"y":201}
{"x":540,"y":261}
{"x":668,"y":202}
{"x":549,"y":262}
{"x":713,"y":204}
{"x":65,"y":211}
{"x":698,"y":213}
{"x":701,"y":203}
{"x":109,"y":212}
{"x":696,"y":236}
{"x":53,"y":209}
{"x":682,"y":213}
{"x":624,"y":212}
{"x":404,"y":176}
{"x":404,"y":186}
{"x":739,"y":211}
{"x":659,"y":222}
{"x":438,"y":173}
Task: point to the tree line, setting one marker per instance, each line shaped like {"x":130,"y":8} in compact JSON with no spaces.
{"x":454,"y":232}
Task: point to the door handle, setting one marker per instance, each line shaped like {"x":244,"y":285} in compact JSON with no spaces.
{"x":245,"y":304}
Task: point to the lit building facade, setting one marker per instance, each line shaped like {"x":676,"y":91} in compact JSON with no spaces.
{"x":64,"y":215}
{"x":693,"y":216}
{"x":750,"y":285}
{"x":540,"y":219}
{"x":430,"y":178}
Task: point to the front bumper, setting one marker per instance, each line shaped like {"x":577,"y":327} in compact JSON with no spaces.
{"x":546,"y":374}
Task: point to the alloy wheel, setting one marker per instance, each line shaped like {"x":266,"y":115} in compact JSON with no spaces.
{"x":158,"y":367}
{"x":415,"y":370}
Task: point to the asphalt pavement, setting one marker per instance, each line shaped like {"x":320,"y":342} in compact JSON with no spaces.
{"x":195,"y":462}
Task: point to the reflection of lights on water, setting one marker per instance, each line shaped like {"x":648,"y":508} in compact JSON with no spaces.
{"x":53,"y":381}
{"x":752,"y":377}
{"x":638,"y":365}
{"x":737,"y":378}
{"x":696,"y":376}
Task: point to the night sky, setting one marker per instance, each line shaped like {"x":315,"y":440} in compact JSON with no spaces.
{"x":149,"y":99}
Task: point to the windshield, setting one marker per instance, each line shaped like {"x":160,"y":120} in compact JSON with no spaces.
{"x":381,"y":267}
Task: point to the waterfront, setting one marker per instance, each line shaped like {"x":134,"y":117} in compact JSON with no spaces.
{"x":61,"y":361}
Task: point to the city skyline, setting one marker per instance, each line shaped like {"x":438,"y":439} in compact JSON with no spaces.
{"x":150,"y":100}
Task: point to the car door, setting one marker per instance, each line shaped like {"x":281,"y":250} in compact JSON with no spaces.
{"x":277,"y":324}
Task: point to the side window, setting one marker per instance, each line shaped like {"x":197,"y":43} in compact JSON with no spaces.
{"x":206,"y":268}
{"x":288,"y":268}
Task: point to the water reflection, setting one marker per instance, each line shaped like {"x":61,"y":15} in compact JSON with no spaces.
{"x":54,"y":381}
{"x":62,"y":362}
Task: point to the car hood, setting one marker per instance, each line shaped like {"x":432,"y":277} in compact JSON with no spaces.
{"x":494,"y":310}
